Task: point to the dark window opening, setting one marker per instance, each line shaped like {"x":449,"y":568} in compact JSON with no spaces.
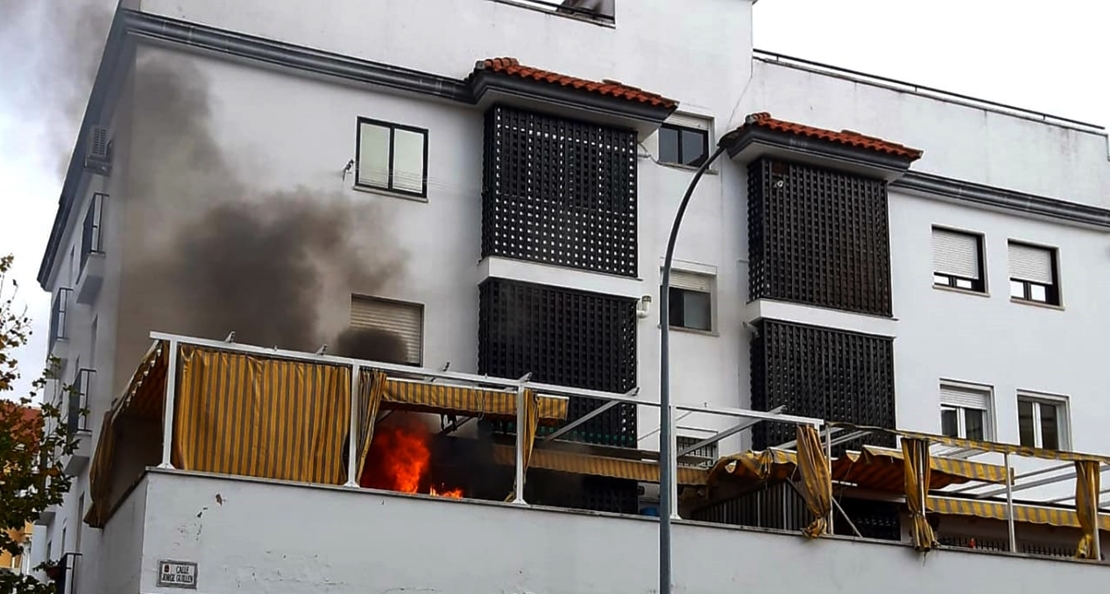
{"x":1039,"y":424}
{"x":392,"y":157}
{"x":683,"y":146}
{"x":692,"y":310}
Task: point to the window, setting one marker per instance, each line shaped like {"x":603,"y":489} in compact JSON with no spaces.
{"x":594,"y":10}
{"x":684,"y":141}
{"x":1042,"y":422}
{"x":965,"y":412}
{"x":691,"y":301}
{"x":392,"y":157}
{"x":402,"y":325}
{"x":707,"y":451}
{"x":59,"y":317}
{"x":91,"y":230}
{"x":1033,"y":274}
{"x":958,"y":260}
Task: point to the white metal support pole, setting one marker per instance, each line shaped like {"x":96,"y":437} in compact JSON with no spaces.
{"x":828,"y":460}
{"x":1097,"y":544}
{"x":170,"y":403}
{"x":521,"y":420}
{"x":352,"y":440}
{"x":1010,"y":503}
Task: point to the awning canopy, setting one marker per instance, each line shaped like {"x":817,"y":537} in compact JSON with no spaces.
{"x":576,"y":463}
{"x":881,"y":469}
{"x":769,"y":464}
{"x":1031,"y":514}
{"x":448,"y":398}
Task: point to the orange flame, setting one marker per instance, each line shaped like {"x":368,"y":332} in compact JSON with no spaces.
{"x":399,"y":460}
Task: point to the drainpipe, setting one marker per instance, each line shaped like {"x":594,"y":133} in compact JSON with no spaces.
{"x":666,"y":438}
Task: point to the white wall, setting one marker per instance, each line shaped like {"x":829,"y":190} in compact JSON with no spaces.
{"x":264,"y":537}
{"x":961,"y":142}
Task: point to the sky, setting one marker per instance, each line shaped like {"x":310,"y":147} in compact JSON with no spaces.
{"x":1040,"y":55}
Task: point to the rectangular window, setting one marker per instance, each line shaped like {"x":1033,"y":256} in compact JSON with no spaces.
{"x":965,"y":412}
{"x":1042,"y":422}
{"x":1033,"y":273}
{"x":691,"y":301}
{"x":59,"y":317}
{"x":392,"y":157}
{"x":594,"y":10}
{"x":401,"y":324}
{"x":684,"y":144}
{"x":958,"y":260}
{"x":706,"y":451}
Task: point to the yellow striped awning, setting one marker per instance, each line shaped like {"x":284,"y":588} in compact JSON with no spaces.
{"x":1027,"y":514}
{"x":882,"y":469}
{"x":769,"y":464}
{"x":575,"y":463}
{"x":447,"y":398}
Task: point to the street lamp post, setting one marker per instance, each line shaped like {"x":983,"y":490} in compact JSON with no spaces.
{"x":666,"y":438}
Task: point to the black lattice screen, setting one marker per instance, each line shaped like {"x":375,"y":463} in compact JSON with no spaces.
{"x":818,"y":237}
{"x":564,"y":337}
{"x":824,"y":373}
{"x":559,"y":191}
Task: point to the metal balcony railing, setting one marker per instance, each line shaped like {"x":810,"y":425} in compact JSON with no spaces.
{"x":59,"y":316}
{"x":91,"y":241}
{"x":77,"y":403}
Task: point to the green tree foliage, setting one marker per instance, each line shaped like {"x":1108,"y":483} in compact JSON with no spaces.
{"x":32,"y":446}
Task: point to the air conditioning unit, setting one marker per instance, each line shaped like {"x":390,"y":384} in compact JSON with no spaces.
{"x":98,"y":151}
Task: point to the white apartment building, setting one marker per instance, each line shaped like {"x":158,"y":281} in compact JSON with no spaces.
{"x":483,"y":190}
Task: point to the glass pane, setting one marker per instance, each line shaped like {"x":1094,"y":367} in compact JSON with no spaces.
{"x":963,"y":283}
{"x":668,"y":145}
{"x":694,"y":149}
{"x":975,"y":423}
{"x":674,"y":316}
{"x":1038,"y":293}
{"x":373,"y":156}
{"x":940,"y":279}
{"x":697,"y":311}
{"x":1017,"y":289}
{"x":408,"y":161}
{"x":1050,"y":432}
{"x":949,"y":425}
{"x":1025,"y":424}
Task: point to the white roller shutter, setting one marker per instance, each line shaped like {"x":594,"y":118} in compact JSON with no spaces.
{"x":691,"y":281}
{"x":965,"y":397}
{"x":1029,"y":263}
{"x":688,"y":121}
{"x":956,"y":254}
{"x":406,"y":320}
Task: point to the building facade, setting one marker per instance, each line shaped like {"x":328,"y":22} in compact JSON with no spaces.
{"x":488,"y":186}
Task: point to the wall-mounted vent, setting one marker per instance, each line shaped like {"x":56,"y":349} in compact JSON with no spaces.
{"x":98,"y":151}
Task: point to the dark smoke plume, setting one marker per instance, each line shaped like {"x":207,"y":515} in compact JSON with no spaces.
{"x":216,"y":255}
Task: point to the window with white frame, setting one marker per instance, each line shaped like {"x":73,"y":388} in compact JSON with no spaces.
{"x":965,"y":411}
{"x":684,"y":140}
{"x":399,"y":321}
{"x":691,"y":300}
{"x":1042,"y":421}
{"x":958,"y":260}
{"x":392,"y":157}
{"x":1033,"y":273}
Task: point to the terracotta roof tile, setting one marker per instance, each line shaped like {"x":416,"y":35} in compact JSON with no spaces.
{"x":611,"y":88}
{"x":848,"y":137}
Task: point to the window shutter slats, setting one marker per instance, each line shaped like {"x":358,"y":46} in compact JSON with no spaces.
{"x":1029,"y":263}
{"x":688,"y":121}
{"x":406,"y":320}
{"x":956,"y":254}
{"x":691,"y":281}
{"x":965,"y":397}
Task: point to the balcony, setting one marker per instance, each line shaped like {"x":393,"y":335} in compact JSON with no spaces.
{"x":265,"y":444}
{"x":75,"y":415}
{"x":91,"y":277}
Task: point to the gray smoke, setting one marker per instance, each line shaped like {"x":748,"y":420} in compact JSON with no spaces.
{"x":49,"y":53}
{"x":213,"y":255}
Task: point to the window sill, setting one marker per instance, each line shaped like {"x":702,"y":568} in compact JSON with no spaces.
{"x":713,"y":333}
{"x":600,"y":22}
{"x":680,"y":167}
{"x":389,"y":194}
{"x":971,"y":292}
{"x":1036,"y":304}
